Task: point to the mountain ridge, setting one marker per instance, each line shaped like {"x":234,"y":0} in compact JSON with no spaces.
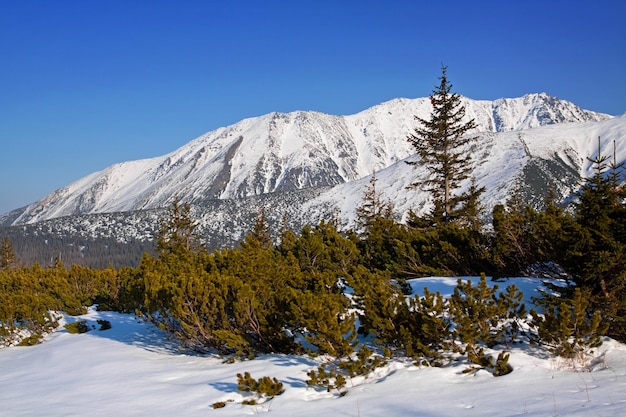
{"x":529,"y":162}
{"x":279,"y":152}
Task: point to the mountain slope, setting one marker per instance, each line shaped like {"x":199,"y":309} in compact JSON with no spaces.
{"x":279,"y":153}
{"x":532,"y":161}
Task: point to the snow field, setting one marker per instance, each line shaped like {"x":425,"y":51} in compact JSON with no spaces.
{"x":133,"y":370}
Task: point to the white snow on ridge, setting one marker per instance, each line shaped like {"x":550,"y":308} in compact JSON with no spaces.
{"x":499,"y":159}
{"x":282,"y":152}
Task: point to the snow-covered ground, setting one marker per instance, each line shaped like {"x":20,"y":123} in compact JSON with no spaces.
{"x":132,"y":370}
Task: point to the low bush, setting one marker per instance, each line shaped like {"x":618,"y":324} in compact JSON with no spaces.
{"x":31,"y":340}
{"x":264,"y":386}
{"x":76,"y":327}
{"x":219,"y":404}
{"x":570,"y":329}
{"x":330,"y":379}
{"x":104,"y":324}
{"x":497,"y":366}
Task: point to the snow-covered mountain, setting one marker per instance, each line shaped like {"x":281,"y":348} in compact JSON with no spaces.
{"x":278,"y":153}
{"x":531,"y":162}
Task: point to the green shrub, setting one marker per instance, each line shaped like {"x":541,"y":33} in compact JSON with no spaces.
{"x":76,"y":327}
{"x":264,"y":386}
{"x":221,"y":404}
{"x":332,"y":375}
{"x":104,"y":324}
{"x":31,"y":340}
{"x":329,"y":379}
{"x":498,"y":366}
{"x":570,"y":330}
{"x":482,"y":316}
{"x":364,"y":363}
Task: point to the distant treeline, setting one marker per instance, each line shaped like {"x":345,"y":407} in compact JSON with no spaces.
{"x":50,"y":248}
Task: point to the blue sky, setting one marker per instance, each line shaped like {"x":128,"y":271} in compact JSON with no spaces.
{"x":85,"y":84}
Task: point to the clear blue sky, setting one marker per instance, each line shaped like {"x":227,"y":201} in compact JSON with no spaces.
{"x":85,"y":84}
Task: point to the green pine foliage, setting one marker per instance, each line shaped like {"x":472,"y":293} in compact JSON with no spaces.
{"x":334,"y":375}
{"x":570,"y":329}
{"x":76,"y":327}
{"x":523,"y":236}
{"x":431,"y":341}
{"x":380,"y":303}
{"x":442,"y":145}
{"x":361,"y":363}
{"x":218,"y":405}
{"x":426,"y":249}
{"x":596,"y":254}
{"x":511,"y":244}
{"x":328,"y":378}
{"x":256,"y":298}
{"x":8,"y":260}
{"x":30,"y":296}
{"x":177,"y":233}
{"x":263,"y":387}
{"x":417,"y":327}
{"x":378,"y":232}
{"x":484,"y":317}
{"x":498,"y":366}
{"x":261,"y":232}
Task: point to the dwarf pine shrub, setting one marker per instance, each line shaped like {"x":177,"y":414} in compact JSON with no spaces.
{"x":264,"y":386}
{"x":570,"y":330}
{"x":104,"y":324}
{"x":329,"y":379}
{"x":332,"y":376}
{"x":497,"y":366}
{"x":79,"y":326}
{"x":483,"y":317}
{"x":364,"y":363}
{"x":31,"y":340}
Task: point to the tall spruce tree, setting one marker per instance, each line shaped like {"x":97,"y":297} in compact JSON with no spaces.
{"x":442,"y":145}
{"x":8,"y":260}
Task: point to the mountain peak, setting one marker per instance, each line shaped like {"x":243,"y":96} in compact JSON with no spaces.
{"x":280,"y":152}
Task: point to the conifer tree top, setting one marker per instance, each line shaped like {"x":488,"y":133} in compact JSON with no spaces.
{"x":441,"y":143}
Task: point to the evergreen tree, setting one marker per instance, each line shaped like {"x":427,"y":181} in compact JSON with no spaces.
{"x":569,"y":329}
{"x":377,"y":229}
{"x":442,"y":145}
{"x":260,"y":232}
{"x":597,"y":258}
{"x":372,"y":208}
{"x":8,"y":260}
{"x":177,"y":234}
